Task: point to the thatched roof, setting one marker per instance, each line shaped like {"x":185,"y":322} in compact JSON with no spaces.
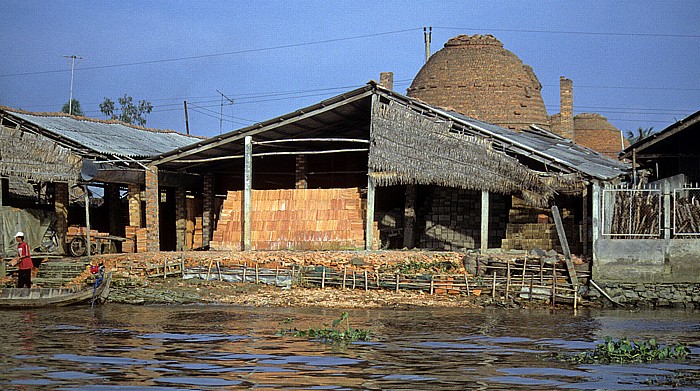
{"x":35,"y":157}
{"x":410,"y":148}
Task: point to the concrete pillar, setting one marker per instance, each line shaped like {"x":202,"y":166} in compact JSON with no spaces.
{"x":667,"y":209}
{"x":369,"y":218}
{"x":134,"y":197}
{"x":584,"y":228}
{"x":409,"y":217}
{"x":484,"y":220}
{"x":60,"y":201}
{"x":152,"y":196}
{"x":595,"y":205}
{"x":180,"y":218}
{"x":248,"y":194}
{"x":301,"y":173}
{"x":207,"y":209}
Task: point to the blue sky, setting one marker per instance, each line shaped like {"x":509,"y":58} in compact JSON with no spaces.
{"x":635,"y":62}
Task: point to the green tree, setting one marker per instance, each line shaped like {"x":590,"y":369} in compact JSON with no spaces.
{"x":128,"y":112}
{"x":640,"y":134}
{"x":76,"y":110}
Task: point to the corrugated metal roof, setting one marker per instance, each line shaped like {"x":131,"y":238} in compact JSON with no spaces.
{"x":557,"y":149}
{"x":110,"y":138}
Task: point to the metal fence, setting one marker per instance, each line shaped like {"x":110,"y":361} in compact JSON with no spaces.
{"x":632,"y":213}
{"x":686,"y":211}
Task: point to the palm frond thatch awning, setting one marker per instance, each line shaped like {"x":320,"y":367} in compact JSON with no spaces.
{"x":409,"y":148}
{"x":35,"y":157}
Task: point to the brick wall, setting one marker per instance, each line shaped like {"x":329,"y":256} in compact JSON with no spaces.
{"x":451,"y":219}
{"x":207,"y":208}
{"x":180,"y":218}
{"x":566,"y":102}
{"x":301,"y":181}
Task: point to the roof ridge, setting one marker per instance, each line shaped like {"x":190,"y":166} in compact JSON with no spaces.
{"x":96,"y":120}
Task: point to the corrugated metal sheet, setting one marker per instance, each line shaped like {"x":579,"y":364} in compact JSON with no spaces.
{"x":558,"y":150}
{"x":110,"y":138}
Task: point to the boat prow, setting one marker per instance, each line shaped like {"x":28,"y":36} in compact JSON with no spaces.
{"x":54,"y":297}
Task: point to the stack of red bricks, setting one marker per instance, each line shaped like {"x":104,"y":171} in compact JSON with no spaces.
{"x":301,"y":219}
{"x":136,"y":240}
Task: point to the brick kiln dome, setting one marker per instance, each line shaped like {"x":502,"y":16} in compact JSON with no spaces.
{"x":476,"y":76}
{"x":593,"y":131}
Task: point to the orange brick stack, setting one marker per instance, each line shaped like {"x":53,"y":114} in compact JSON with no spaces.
{"x":300,"y":219}
{"x":129,"y":245}
{"x":75,"y":230}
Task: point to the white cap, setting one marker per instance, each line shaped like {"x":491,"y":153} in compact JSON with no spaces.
{"x":20,"y":233}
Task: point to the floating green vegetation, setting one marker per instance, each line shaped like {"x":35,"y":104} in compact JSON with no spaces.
{"x":338,"y":332}
{"x":628,"y":351}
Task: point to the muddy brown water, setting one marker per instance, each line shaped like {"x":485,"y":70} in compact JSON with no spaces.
{"x":122,"y":347}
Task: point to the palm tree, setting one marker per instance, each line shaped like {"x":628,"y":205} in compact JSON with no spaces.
{"x":640,"y":134}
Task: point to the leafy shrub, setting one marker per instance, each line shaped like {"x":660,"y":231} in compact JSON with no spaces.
{"x":339,"y":332}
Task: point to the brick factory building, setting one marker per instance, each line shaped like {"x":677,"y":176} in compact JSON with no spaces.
{"x":478,"y":77}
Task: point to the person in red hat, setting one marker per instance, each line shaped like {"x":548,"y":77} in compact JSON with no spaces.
{"x":24,"y":260}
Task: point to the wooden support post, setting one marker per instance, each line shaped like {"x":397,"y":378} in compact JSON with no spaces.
{"x":366,"y":286}
{"x":484,"y":220}
{"x":211,"y":261}
{"x":409,"y":216}
{"x":257,"y":275}
{"x":565,"y":246}
{"x":432,"y":284}
{"x":397,"y":282}
{"x":532,"y":280}
{"x":182,"y":265}
{"x":575,"y":299}
{"x":245,"y":267}
{"x":493,"y":288}
{"x":86,"y":197}
{"x":554,"y":285}
{"x":466,"y":282}
{"x":345,"y":275}
{"x":507,"y":279}
{"x":247,"y":194}
{"x":376,"y":275}
{"x":165,"y":269}
{"x":323,"y":278}
{"x":218,"y":269}
{"x":353,"y":280}
{"x":522,"y":279}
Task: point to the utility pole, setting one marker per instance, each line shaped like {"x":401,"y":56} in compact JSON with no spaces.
{"x":221,"y":108}
{"x":427,"y":37}
{"x":72,"y":68}
{"x":187,"y":121}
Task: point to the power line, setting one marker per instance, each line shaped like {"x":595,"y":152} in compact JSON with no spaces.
{"x":294,"y":45}
{"x":575,"y":32}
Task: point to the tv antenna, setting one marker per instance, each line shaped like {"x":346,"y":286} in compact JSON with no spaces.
{"x":72,"y":67}
{"x":221,"y":107}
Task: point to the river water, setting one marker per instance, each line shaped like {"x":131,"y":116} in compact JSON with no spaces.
{"x":122,"y":347}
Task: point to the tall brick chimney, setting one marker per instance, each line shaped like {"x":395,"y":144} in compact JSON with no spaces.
{"x":566,"y":110}
{"x":386,"y":80}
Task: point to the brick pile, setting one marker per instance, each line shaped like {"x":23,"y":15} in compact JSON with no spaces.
{"x":302,"y":219}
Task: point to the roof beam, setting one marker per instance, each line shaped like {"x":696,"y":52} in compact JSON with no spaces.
{"x":252,"y":130}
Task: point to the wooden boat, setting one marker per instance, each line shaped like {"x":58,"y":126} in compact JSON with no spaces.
{"x":54,"y":297}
